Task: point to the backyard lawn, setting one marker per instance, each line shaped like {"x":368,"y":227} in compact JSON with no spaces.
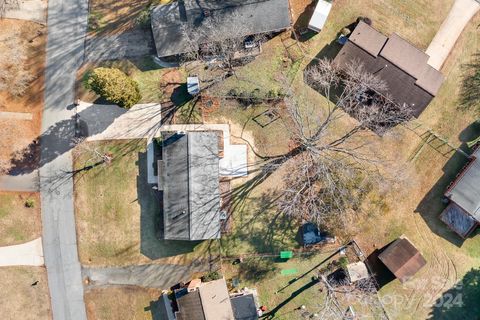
{"x":20,"y":299}
{"x":18,"y":223}
{"x":117,"y":212}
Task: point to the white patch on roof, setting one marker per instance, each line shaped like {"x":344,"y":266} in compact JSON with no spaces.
{"x":320,"y":15}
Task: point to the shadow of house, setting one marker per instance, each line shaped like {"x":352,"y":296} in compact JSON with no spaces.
{"x":300,"y":26}
{"x":151,"y":217}
{"x":432,"y":204}
{"x":461,"y":301}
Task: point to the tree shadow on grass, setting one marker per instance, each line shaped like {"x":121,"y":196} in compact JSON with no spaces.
{"x":150,"y":200}
{"x":461,"y":301}
{"x":470,"y":92}
{"x":431,"y":206}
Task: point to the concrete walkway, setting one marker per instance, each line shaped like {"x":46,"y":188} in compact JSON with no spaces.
{"x":110,"y":122}
{"x":25,"y":254}
{"x":67,"y":26}
{"x":24,"y":183}
{"x":444,"y":41}
{"x":151,"y":276}
{"x":16,"y":115}
{"x":33,"y":10}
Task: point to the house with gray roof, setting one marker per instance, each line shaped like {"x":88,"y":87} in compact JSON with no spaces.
{"x":462,"y":215}
{"x":257,"y":17}
{"x":188,"y":178}
{"x":410,"y":80}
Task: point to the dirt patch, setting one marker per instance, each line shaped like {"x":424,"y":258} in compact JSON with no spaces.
{"x":24,"y":293}
{"x":120,"y":303}
{"x":18,"y":134}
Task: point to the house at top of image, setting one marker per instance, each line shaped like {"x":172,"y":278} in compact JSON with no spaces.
{"x":403,"y":67}
{"x":462,"y":215}
{"x":258,"y":17}
{"x":188,"y":176}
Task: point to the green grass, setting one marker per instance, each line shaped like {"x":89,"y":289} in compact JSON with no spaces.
{"x":120,"y":226}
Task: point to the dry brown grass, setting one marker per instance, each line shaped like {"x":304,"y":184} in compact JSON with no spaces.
{"x":18,"y":223}
{"x":120,"y":303}
{"x":17,"y":134}
{"x":19,"y":299}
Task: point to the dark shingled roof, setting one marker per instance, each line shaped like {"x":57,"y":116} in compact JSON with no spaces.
{"x":189,"y":179}
{"x":244,"y":307}
{"x":458,"y":220}
{"x":402,"y":258}
{"x":259,"y":16}
{"x":410,"y":80}
{"x":189,"y":306}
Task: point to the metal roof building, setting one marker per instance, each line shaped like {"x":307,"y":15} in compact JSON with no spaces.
{"x":410,"y":80}
{"x":402,"y":259}
{"x":168,"y":21}
{"x":462,"y":215}
{"x":188,"y":175}
{"x":320,"y":15}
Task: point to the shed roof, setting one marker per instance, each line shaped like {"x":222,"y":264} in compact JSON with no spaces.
{"x":465,"y":191}
{"x":244,"y":307}
{"x":402,"y":258}
{"x":257,"y":17}
{"x":320,"y":15}
{"x":190,"y":177}
{"x":357,"y":271}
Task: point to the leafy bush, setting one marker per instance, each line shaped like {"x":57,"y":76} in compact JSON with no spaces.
{"x":30,"y":203}
{"x":114,"y":86}
{"x":211,"y":276}
{"x":343,"y":262}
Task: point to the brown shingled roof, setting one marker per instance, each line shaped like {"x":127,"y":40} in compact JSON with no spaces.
{"x":402,"y":258}
{"x":368,"y":38}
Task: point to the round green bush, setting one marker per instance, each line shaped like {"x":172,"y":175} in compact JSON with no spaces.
{"x":114,"y":86}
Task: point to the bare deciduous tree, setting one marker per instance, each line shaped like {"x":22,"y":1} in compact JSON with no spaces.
{"x":14,"y":76}
{"x":220,"y":37}
{"x":8,"y":5}
{"x":332,"y":167}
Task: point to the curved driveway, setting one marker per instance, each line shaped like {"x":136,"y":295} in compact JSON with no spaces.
{"x":67,"y":25}
{"x":458,"y":17}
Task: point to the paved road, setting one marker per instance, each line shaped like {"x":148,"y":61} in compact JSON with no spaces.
{"x":150,"y":276}
{"x":444,"y":41}
{"x":67,"y":23}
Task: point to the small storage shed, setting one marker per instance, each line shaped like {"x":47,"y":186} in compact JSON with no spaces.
{"x":320,"y":15}
{"x":193,"y":85}
{"x":402,"y":259}
{"x":357,"y":271}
